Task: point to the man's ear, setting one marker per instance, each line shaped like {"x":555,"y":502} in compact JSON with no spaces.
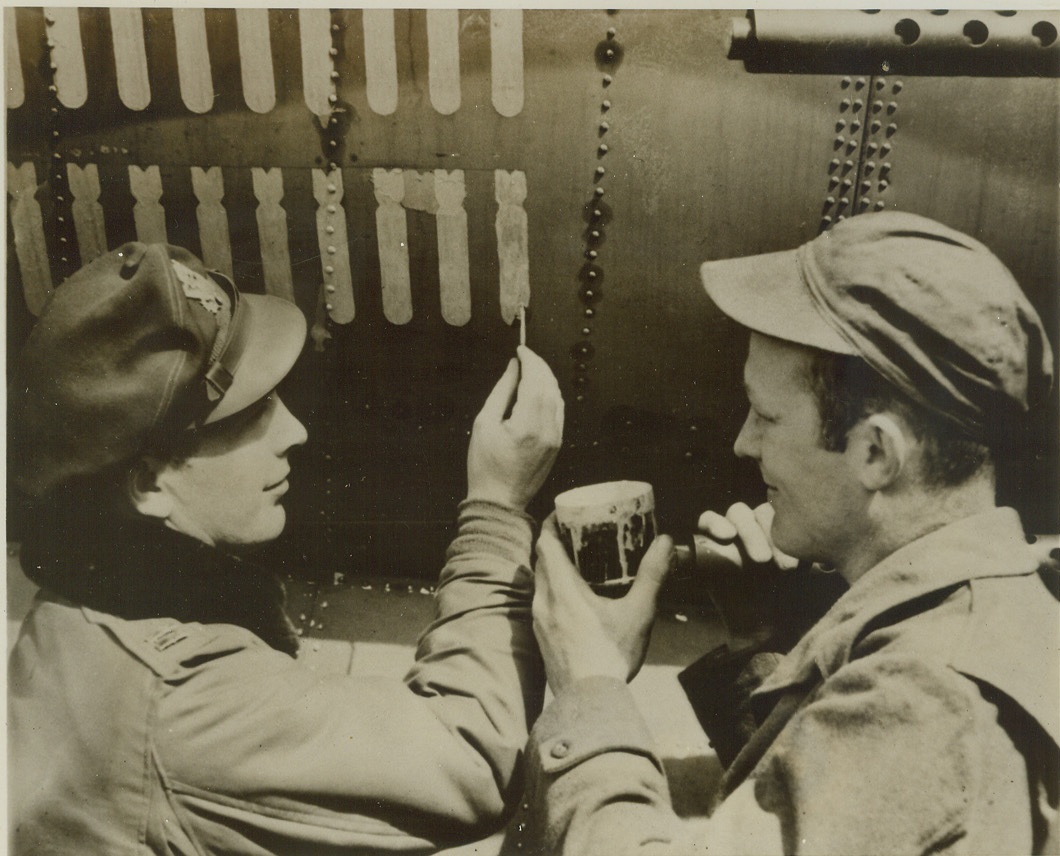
{"x":144,"y":490}
{"x":882,"y":450}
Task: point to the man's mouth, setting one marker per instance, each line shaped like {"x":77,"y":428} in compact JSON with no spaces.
{"x":276,"y":485}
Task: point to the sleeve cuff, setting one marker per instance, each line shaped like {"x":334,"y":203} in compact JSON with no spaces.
{"x":594,"y":716}
{"x":506,"y":533}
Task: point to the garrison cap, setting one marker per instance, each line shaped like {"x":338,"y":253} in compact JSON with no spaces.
{"x":932,"y":310}
{"x":140,"y":343}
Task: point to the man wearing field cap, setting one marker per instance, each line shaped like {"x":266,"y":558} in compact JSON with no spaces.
{"x":155,"y":702}
{"x":888,"y":359}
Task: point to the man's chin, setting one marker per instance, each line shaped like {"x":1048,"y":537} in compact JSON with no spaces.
{"x":799,"y":552}
{"x":781,"y":539}
{"x":255,"y":543}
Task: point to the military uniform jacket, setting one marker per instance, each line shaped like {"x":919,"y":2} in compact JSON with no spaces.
{"x":919,"y":715}
{"x":160,"y":736}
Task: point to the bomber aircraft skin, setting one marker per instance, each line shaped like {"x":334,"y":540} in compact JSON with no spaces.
{"x":411,"y":177}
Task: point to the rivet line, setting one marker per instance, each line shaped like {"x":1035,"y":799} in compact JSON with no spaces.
{"x":582,"y":352}
{"x":860,"y":175}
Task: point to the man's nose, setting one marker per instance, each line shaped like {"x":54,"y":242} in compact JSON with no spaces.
{"x":290,"y":430}
{"x":745,"y":445}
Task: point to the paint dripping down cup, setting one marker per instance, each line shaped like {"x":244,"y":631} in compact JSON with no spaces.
{"x":607,"y":528}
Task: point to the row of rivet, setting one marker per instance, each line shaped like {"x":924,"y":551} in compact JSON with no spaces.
{"x":863,"y":135}
{"x":58,"y":178}
{"x":332,"y":141}
{"x":592,"y":274}
{"x":875,"y":170}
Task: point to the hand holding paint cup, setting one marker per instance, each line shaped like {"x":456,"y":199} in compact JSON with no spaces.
{"x":607,"y":529}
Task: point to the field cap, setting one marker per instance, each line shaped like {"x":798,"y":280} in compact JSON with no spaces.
{"x":140,"y":343}
{"x":929,"y":308}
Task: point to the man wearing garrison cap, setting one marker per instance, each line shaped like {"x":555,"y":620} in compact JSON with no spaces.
{"x":155,"y":702}
{"x":889,"y":358}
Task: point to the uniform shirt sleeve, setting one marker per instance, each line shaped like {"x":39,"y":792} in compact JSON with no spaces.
{"x":890,"y":756}
{"x":292,"y":756}
{"x":597,"y":788}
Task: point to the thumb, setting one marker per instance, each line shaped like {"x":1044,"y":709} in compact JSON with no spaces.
{"x":501,"y":395}
{"x":654,"y":568}
{"x":764,"y":514}
{"x":553,"y":564}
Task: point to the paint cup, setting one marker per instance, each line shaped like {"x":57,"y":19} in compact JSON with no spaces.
{"x":607,"y":528}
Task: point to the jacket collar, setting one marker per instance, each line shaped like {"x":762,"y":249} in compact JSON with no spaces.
{"x":989,"y":544}
{"x":136,"y":568}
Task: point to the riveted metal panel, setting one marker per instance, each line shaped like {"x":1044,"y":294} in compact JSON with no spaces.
{"x":644,"y":151}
